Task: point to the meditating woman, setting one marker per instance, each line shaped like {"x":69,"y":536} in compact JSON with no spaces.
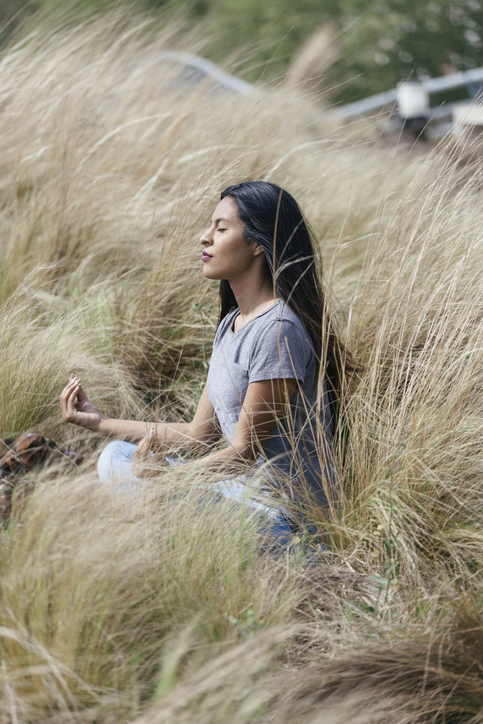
{"x":276,"y":369}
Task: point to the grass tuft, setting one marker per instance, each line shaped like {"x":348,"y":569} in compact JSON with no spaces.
{"x":153,"y":606}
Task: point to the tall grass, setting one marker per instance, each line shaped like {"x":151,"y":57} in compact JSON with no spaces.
{"x":151,"y":607}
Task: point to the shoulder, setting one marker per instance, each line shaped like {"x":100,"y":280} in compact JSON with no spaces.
{"x":282,"y":322}
{"x":282,"y":344}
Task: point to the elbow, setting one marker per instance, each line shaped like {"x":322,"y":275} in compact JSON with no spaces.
{"x":203,"y":435}
{"x":246,"y":453}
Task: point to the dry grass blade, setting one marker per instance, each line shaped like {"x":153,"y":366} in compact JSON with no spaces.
{"x":125,"y":605}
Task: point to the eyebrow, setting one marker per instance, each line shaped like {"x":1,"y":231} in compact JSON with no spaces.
{"x":227,"y":221}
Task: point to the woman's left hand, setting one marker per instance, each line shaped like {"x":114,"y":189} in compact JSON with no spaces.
{"x":144,"y":464}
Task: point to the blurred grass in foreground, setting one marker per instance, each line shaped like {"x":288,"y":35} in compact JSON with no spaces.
{"x":147,"y":609}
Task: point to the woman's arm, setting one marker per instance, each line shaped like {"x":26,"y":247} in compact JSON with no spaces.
{"x":263,"y":405}
{"x":78,"y":409}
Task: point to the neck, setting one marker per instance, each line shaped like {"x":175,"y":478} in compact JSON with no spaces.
{"x":253,"y":295}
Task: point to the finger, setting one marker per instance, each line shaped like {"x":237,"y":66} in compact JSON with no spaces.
{"x":72,"y":383}
{"x":81,"y":394}
{"x":146,"y":442}
{"x":150,"y":440}
{"x":70,"y":398}
{"x":65,"y":394}
{"x":142,"y":450}
{"x":68,"y":408}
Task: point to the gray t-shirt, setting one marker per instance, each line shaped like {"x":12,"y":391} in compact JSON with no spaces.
{"x":274,"y":345}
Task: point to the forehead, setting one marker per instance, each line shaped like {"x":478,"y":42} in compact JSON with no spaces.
{"x":226,"y":209}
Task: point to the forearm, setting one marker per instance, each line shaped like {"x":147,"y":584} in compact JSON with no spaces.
{"x":177,"y":435}
{"x":227,"y":462}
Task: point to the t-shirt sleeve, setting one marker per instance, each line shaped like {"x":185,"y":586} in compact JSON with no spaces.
{"x":281,"y":351}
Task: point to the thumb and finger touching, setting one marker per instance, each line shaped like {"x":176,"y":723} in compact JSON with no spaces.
{"x":149,"y":455}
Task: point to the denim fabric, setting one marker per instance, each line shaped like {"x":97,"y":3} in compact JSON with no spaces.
{"x":115,"y":462}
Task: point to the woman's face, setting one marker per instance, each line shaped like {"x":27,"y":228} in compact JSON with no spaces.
{"x":226,"y":254}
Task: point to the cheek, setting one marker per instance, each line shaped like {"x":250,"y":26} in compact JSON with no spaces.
{"x":241,"y":250}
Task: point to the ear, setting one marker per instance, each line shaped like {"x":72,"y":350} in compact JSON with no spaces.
{"x":258,"y":249}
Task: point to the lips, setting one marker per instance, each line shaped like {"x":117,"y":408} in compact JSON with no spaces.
{"x":205,"y":256}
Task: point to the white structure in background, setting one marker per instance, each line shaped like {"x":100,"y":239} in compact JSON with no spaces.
{"x":471,"y":79}
{"x":406,"y":100}
{"x":467,"y":114}
{"x":412,"y":99}
{"x":196,"y":69}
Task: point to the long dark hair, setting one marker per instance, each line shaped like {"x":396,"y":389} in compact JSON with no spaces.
{"x":273,"y":219}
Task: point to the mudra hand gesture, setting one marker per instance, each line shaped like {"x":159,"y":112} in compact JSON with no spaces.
{"x":145,"y":465}
{"x":267,"y":354}
{"x":77,"y":408}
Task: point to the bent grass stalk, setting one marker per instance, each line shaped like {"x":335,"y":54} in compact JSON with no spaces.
{"x":124,"y":610}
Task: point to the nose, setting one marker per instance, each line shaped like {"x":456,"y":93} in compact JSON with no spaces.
{"x":205,"y":237}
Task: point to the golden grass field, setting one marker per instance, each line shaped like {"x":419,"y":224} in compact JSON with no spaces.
{"x":149,"y":610}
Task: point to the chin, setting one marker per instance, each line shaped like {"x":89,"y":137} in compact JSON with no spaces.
{"x":209,"y":275}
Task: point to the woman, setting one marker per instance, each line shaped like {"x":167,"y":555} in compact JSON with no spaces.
{"x":275,"y":358}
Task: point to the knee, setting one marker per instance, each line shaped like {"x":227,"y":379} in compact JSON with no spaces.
{"x":114,"y":454}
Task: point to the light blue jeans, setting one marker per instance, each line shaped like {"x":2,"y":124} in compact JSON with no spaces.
{"x":115,"y":462}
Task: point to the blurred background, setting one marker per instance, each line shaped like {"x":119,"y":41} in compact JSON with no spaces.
{"x":364,"y":47}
